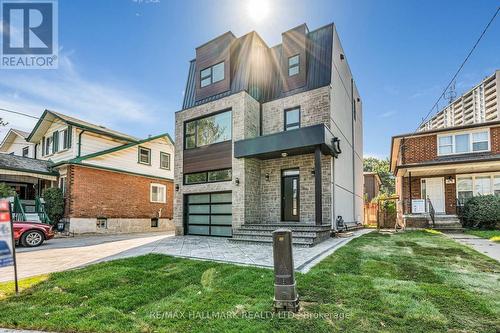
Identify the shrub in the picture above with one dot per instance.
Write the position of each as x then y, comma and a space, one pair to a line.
6, 191
54, 203
482, 212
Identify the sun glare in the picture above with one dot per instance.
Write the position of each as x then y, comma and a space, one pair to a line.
258, 10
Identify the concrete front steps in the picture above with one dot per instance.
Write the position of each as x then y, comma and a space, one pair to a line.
447, 223
303, 234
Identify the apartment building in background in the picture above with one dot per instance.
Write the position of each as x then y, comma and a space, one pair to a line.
269, 137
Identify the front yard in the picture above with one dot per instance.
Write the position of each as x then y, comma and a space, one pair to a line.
493, 235
409, 282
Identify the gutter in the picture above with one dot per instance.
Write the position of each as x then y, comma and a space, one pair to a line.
80, 143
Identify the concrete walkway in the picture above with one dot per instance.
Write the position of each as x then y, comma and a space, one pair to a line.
69, 253
483, 245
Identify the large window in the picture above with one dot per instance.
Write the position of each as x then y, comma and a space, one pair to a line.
158, 193
292, 119
463, 143
212, 74
293, 65
208, 130
207, 177
480, 184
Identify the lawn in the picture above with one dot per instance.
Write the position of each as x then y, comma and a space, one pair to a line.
408, 282
493, 235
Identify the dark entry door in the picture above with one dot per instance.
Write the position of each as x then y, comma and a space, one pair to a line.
290, 205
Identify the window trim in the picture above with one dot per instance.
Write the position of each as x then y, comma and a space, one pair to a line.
211, 75
470, 134
294, 65
139, 155
151, 193
27, 148
285, 125
206, 174
162, 153
196, 129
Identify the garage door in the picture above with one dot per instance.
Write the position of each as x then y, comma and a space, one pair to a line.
209, 214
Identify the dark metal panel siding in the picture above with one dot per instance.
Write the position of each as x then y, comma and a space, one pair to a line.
255, 68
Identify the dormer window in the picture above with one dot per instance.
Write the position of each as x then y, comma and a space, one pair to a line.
212, 74
293, 65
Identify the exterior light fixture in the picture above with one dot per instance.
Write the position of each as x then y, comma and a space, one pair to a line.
237, 181
176, 187
267, 177
284, 154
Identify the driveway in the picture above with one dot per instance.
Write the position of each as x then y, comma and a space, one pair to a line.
66, 253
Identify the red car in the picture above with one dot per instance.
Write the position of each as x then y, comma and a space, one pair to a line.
32, 234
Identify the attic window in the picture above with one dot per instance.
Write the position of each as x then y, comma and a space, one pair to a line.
212, 74
144, 155
293, 65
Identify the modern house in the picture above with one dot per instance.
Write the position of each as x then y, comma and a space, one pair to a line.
112, 182
444, 163
371, 185
269, 137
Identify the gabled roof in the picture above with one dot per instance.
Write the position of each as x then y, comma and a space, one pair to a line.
25, 164
10, 137
48, 117
115, 149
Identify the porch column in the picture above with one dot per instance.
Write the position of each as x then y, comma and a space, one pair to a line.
318, 204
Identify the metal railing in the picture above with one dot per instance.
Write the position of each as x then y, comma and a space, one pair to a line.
17, 209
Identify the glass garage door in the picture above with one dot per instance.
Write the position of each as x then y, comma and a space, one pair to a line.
209, 214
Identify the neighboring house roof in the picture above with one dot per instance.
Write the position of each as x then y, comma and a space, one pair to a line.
10, 137
115, 149
269, 86
26, 164
456, 159
48, 117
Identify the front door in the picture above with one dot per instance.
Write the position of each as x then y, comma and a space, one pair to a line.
434, 191
290, 205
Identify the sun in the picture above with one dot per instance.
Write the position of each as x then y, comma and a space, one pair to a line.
258, 10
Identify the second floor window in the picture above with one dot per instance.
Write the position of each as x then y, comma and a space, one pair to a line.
212, 74
292, 119
293, 65
26, 151
462, 143
208, 130
144, 155
165, 161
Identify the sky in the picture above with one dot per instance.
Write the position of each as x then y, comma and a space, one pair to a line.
123, 63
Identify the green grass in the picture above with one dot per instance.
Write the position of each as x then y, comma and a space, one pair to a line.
407, 282
493, 235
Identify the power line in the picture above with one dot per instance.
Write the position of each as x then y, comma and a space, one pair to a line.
20, 113
460, 68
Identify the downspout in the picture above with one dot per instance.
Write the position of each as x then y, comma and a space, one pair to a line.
80, 143
260, 119
34, 153
353, 154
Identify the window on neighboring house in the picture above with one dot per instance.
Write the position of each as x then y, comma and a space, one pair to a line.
26, 151
165, 161
66, 137
62, 184
293, 65
102, 223
208, 177
292, 119
55, 142
212, 74
144, 155
154, 222
482, 185
496, 185
208, 130
463, 143
48, 145
464, 188
158, 193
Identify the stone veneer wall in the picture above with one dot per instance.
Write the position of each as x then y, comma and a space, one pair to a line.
314, 109
245, 115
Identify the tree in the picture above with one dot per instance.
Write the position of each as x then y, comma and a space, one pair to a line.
6, 191
381, 166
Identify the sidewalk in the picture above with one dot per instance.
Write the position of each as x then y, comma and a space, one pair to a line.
482, 245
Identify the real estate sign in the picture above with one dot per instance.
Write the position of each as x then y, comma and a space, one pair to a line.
6, 246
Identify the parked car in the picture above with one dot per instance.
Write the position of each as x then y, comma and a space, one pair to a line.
32, 234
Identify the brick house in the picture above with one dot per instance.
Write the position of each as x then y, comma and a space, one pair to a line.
444, 164
112, 182
269, 137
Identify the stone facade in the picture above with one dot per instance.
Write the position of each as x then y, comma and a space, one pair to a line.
124, 199
256, 199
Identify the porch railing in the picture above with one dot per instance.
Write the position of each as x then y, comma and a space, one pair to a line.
432, 212
17, 209
40, 209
